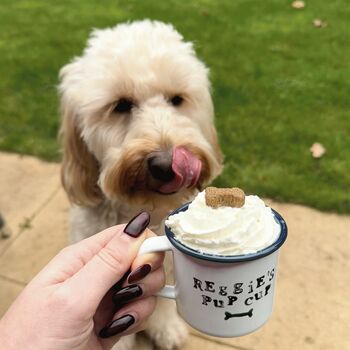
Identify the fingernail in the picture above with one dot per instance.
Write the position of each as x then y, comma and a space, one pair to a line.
137, 224
128, 293
139, 273
117, 326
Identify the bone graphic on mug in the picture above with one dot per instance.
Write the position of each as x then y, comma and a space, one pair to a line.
228, 315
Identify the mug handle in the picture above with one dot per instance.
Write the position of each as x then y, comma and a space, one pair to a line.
159, 244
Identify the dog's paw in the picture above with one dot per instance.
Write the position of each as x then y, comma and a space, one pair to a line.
169, 335
125, 343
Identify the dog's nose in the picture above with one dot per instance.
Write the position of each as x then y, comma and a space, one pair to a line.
160, 166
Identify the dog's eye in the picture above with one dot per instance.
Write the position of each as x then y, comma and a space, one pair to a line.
124, 105
176, 100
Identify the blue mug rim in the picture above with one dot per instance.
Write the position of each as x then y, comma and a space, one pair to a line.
228, 258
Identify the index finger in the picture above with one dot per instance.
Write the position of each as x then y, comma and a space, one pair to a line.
109, 265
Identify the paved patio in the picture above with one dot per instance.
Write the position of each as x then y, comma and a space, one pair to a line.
312, 306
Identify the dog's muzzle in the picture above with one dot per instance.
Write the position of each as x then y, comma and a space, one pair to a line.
174, 170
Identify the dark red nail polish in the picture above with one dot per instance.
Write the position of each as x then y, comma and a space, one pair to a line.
137, 224
139, 273
117, 326
126, 294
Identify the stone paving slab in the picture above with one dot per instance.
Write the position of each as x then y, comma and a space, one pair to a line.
312, 307
26, 184
8, 292
37, 244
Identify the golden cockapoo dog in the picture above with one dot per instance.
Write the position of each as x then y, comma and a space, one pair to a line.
138, 134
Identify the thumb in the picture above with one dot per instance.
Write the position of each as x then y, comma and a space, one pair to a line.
109, 264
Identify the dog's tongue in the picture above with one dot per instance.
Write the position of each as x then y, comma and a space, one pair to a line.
187, 169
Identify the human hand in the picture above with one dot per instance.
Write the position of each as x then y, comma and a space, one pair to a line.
68, 304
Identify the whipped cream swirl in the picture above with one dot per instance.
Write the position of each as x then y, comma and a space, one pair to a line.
225, 230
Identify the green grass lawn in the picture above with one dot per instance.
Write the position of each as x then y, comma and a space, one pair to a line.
279, 84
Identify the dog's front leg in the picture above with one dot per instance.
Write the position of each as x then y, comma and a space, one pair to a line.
126, 343
165, 327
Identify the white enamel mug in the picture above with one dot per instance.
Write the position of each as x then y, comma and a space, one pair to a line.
223, 296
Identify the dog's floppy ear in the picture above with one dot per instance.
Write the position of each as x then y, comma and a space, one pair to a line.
80, 169
79, 172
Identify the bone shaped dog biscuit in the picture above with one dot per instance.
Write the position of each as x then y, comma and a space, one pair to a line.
224, 197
